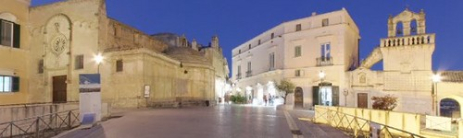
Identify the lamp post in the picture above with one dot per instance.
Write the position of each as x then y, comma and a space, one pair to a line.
435, 79
98, 59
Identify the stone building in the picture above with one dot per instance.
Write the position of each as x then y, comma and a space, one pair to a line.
407, 70
319, 54
61, 40
14, 51
299, 50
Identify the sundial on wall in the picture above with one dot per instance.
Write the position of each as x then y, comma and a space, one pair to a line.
58, 44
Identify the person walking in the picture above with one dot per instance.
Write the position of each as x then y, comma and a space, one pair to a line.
265, 99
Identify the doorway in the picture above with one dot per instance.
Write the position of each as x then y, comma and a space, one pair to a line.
59, 89
298, 97
449, 108
362, 100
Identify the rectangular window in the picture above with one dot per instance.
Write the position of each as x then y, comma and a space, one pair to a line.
6, 33
40, 66
258, 43
79, 64
249, 66
272, 36
249, 46
239, 69
239, 51
272, 61
119, 66
297, 51
326, 51
298, 27
9, 84
297, 73
325, 22
9, 34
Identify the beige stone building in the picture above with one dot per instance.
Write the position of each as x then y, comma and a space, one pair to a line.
327, 45
407, 70
62, 39
14, 51
299, 50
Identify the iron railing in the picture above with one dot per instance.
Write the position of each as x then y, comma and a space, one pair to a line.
36, 103
359, 127
324, 61
41, 126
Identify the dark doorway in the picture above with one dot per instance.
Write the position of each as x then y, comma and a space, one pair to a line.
362, 100
449, 108
59, 89
298, 97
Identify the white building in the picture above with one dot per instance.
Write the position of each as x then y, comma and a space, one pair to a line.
299, 50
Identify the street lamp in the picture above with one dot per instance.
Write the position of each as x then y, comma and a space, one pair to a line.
98, 59
435, 79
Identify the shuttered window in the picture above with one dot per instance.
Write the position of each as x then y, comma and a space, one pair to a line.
79, 63
9, 84
9, 34
119, 66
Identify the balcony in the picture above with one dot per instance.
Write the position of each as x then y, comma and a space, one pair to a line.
324, 61
248, 73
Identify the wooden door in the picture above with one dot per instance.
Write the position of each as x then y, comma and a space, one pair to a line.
362, 100
298, 97
59, 89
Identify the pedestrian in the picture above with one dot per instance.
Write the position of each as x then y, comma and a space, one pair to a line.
271, 100
265, 99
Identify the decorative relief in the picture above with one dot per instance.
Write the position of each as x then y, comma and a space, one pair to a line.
58, 44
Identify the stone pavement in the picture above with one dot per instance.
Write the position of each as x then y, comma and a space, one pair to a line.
312, 130
222, 121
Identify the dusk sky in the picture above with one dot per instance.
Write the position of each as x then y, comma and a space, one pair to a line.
236, 21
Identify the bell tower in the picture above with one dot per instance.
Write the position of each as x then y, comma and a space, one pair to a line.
408, 47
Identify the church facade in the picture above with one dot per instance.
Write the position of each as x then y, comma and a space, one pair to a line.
138, 70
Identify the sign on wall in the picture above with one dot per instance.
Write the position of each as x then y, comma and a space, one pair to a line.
90, 98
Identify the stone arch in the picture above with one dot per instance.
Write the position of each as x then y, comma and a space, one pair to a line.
449, 107
58, 16
457, 98
413, 27
298, 97
399, 28
58, 26
8, 16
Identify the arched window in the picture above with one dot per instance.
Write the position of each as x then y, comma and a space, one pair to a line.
399, 29
413, 27
9, 30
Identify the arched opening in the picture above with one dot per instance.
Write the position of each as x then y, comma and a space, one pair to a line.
298, 97
413, 27
399, 29
449, 108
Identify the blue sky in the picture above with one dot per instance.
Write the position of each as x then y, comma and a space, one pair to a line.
236, 21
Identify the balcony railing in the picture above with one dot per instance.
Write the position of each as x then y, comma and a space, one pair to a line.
248, 73
324, 61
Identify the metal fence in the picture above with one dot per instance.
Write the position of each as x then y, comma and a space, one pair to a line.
359, 127
41, 126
